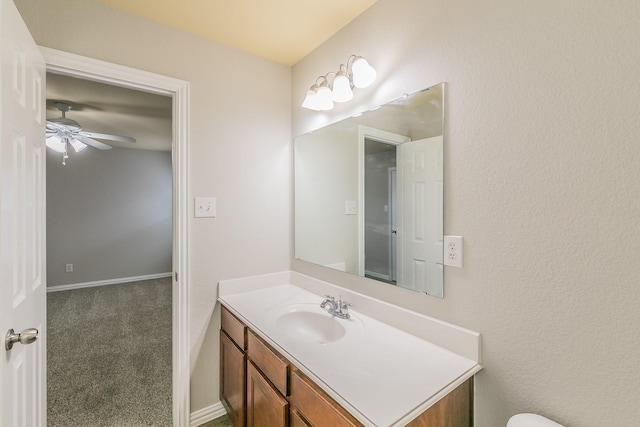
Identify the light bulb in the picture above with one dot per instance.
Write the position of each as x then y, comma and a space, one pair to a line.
56, 144
311, 100
363, 73
341, 88
324, 97
77, 145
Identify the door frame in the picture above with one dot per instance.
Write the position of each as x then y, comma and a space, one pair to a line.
393, 202
78, 66
366, 132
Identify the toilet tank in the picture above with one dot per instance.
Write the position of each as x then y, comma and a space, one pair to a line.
531, 420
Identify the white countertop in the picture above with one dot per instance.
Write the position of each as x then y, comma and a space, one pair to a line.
383, 375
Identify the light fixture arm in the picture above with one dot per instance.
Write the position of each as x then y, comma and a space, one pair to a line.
350, 62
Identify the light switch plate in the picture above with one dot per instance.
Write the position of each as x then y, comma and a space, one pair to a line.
205, 207
351, 207
453, 251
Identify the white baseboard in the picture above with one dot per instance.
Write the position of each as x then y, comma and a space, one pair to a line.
207, 414
106, 282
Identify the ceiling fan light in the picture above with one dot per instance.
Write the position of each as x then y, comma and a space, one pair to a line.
363, 73
341, 88
56, 144
77, 145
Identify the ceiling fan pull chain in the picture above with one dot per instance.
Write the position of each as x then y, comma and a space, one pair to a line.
65, 156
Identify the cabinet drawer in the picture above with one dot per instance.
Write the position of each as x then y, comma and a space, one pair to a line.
317, 406
273, 365
233, 327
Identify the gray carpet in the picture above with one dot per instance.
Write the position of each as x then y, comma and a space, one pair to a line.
109, 355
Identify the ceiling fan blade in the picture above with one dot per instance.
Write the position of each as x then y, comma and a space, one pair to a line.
92, 142
108, 137
55, 126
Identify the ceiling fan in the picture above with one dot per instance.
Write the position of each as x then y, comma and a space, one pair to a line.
62, 132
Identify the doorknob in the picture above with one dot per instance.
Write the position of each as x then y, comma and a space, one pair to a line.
25, 337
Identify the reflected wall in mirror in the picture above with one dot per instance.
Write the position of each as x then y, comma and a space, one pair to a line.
369, 193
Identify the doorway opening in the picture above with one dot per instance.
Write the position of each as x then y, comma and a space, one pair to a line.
76, 66
109, 222
377, 192
379, 210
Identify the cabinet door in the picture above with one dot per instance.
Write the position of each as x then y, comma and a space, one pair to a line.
232, 380
265, 406
296, 420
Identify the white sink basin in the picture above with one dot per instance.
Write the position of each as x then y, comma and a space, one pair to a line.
310, 324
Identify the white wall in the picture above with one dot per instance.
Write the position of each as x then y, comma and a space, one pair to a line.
239, 149
108, 214
542, 179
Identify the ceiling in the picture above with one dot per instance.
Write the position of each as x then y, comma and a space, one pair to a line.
282, 31
114, 110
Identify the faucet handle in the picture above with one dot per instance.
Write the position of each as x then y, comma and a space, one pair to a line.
345, 305
332, 298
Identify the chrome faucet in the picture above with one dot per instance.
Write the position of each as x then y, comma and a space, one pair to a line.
338, 308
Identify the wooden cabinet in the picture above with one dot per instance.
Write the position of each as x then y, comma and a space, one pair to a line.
233, 377
315, 407
453, 410
269, 361
265, 405
296, 419
261, 388
267, 385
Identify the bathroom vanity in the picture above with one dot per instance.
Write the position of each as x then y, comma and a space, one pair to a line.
284, 361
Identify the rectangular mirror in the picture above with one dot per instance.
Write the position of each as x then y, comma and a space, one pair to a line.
369, 193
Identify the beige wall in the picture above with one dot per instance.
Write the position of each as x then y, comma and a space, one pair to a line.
325, 179
542, 178
239, 149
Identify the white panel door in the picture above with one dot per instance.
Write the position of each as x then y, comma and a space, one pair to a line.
22, 223
420, 214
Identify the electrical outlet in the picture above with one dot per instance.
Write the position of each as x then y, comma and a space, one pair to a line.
68, 268
453, 251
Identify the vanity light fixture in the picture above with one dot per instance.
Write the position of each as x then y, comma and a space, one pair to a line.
322, 94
